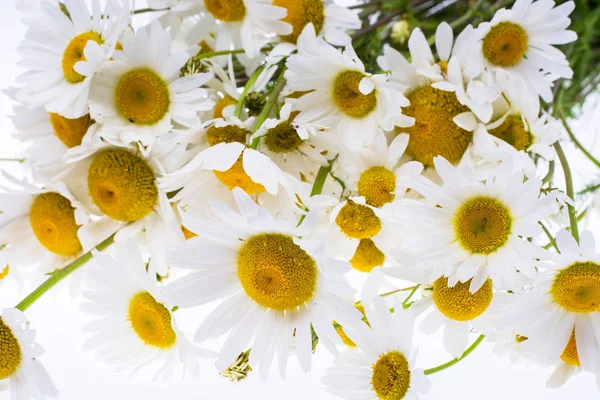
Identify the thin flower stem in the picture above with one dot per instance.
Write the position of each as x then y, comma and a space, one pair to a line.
273, 97
218, 53
19, 160
397, 291
550, 174
240, 104
447, 365
570, 191
552, 240
577, 142
60, 275
147, 10
383, 21
410, 295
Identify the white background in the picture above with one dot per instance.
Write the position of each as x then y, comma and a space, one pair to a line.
58, 321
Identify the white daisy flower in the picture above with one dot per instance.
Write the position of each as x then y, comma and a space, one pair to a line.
20, 359
384, 366
270, 286
138, 95
61, 53
341, 94
508, 343
474, 229
520, 42
177, 14
135, 324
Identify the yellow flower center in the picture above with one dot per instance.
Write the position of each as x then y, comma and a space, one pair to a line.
377, 186
275, 272
74, 53
222, 104
226, 10
151, 321
505, 44
226, 134
283, 138
513, 132
236, 176
4, 274
301, 13
70, 131
483, 224
458, 303
367, 256
10, 351
577, 288
122, 185
391, 376
52, 219
348, 97
569, 354
142, 97
358, 221
434, 132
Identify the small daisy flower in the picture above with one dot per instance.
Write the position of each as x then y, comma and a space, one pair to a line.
138, 96
20, 359
135, 324
384, 366
508, 343
270, 287
61, 53
340, 93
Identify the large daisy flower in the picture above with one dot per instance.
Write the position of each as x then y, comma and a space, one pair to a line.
135, 325
341, 94
384, 365
61, 53
20, 359
139, 95
477, 230
270, 286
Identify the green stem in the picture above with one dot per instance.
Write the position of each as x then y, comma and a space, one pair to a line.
218, 53
550, 174
240, 104
577, 142
60, 275
410, 295
570, 191
273, 97
146, 10
19, 160
447, 365
552, 240
319, 183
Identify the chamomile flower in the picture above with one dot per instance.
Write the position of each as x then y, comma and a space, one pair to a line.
520, 42
20, 359
340, 93
138, 95
477, 230
61, 53
135, 325
178, 12
271, 288
384, 365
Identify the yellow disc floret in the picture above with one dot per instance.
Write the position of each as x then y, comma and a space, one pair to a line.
505, 44
151, 321
275, 272
236, 176
122, 185
483, 224
52, 219
377, 186
577, 288
301, 13
514, 132
569, 354
70, 131
358, 221
74, 53
142, 97
282, 138
367, 256
10, 351
226, 134
458, 303
348, 98
391, 376
434, 132
226, 10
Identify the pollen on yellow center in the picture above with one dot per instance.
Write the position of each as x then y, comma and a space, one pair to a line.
514, 132
226, 134
301, 13
367, 256
10, 351
391, 376
222, 104
348, 98
577, 288
458, 303
226, 10
74, 53
236, 176
142, 97
434, 132
569, 354
52, 219
151, 321
483, 224
358, 221
275, 272
377, 186
70, 131
122, 185
505, 44
282, 138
